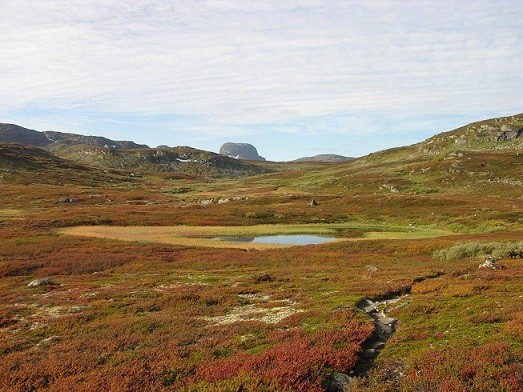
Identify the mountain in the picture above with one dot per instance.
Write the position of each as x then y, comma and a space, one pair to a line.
11, 133
59, 138
325, 158
240, 151
52, 141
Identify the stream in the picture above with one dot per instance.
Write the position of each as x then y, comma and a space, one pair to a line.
384, 328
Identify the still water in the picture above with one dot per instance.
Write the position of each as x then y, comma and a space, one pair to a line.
296, 239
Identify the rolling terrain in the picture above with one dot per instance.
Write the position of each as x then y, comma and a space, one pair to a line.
108, 280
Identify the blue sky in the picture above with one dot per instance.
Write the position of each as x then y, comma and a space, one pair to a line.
294, 78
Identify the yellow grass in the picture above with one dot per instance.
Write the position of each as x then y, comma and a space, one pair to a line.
203, 235
10, 213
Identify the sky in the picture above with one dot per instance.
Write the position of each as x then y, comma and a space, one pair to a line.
293, 78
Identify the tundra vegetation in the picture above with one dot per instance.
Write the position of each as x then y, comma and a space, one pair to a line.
135, 299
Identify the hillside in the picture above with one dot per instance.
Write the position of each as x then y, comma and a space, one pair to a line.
21, 164
496, 134
483, 157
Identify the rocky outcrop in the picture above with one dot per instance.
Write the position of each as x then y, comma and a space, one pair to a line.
240, 151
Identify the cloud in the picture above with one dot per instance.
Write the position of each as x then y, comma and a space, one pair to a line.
233, 64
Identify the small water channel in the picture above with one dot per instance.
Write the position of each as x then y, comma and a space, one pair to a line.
295, 239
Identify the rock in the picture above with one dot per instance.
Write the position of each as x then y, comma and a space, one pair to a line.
489, 263
263, 278
41, 282
340, 382
240, 151
313, 203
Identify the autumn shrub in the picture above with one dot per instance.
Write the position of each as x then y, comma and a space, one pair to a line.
243, 382
301, 361
490, 367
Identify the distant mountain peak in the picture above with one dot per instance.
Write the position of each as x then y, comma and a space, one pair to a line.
325, 158
240, 151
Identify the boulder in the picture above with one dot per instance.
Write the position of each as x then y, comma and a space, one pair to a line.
40, 282
489, 263
340, 382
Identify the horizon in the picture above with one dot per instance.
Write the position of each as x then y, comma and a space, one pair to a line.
349, 78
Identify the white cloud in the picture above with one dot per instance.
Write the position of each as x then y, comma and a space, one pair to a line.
234, 62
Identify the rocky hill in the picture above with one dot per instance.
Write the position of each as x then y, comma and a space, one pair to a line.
182, 160
496, 134
484, 157
23, 164
240, 151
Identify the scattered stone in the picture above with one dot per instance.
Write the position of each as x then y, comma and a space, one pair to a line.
41, 282
44, 343
206, 202
68, 200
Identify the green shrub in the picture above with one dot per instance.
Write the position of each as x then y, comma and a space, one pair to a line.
498, 250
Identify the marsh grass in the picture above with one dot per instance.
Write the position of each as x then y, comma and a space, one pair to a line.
202, 235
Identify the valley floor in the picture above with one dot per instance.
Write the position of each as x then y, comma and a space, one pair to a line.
117, 308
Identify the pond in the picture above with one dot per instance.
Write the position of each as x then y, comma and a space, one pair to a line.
296, 239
